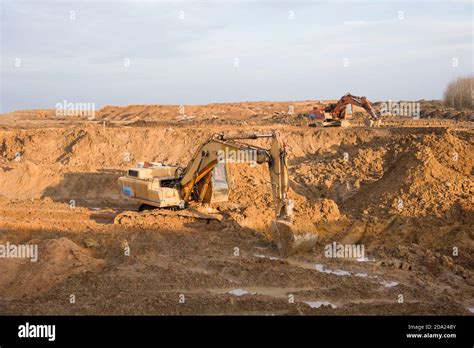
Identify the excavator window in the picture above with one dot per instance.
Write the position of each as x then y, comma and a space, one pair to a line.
220, 186
133, 173
348, 111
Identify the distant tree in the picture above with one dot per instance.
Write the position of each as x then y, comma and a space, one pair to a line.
459, 93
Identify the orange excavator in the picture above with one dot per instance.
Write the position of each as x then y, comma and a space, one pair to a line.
334, 114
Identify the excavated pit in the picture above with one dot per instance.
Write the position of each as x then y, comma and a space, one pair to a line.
404, 193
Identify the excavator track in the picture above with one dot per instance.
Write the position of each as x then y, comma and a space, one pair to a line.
157, 217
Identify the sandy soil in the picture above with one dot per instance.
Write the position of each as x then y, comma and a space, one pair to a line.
405, 193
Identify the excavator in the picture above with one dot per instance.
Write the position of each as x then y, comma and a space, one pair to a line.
205, 180
335, 115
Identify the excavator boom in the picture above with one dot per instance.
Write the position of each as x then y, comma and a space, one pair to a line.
224, 147
218, 149
337, 110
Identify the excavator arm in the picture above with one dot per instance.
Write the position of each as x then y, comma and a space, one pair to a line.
337, 110
224, 147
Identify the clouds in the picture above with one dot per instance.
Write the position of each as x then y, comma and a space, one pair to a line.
185, 51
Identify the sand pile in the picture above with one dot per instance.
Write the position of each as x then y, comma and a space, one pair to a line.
195, 113
427, 175
253, 205
25, 179
57, 260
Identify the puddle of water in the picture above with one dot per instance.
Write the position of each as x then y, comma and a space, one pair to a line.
266, 257
366, 275
265, 291
240, 292
340, 273
317, 304
389, 284
362, 275
365, 259
320, 268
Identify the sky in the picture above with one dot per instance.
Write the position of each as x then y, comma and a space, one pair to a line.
198, 52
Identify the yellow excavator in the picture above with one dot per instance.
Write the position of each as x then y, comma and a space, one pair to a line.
204, 180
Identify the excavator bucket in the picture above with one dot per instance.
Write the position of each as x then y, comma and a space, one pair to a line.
288, 241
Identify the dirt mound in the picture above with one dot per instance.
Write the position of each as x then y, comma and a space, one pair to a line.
426, 175
25, 179
57, 260
436, 109
98, 187
214, 113
4, 200
327, 210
